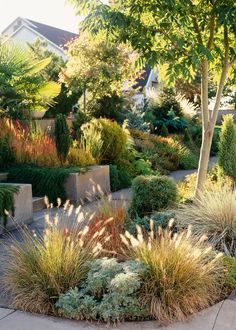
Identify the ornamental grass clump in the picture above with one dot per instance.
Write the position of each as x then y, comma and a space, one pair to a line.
183, 272
40, 268
213, 213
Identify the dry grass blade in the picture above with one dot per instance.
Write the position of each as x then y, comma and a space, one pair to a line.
183, 275
213, 214
38, 269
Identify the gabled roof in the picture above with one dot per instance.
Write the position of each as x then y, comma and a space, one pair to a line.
57, 36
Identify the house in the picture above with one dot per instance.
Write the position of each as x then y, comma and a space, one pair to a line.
25, 31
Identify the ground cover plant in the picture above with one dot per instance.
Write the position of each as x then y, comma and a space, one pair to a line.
109, 293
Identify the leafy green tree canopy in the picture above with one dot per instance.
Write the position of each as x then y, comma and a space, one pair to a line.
186, 37
99, 67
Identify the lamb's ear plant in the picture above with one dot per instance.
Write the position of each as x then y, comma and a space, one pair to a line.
41, 267
184, 272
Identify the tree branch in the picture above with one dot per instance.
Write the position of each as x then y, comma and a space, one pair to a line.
223, 77
196, 26
212, 31
233, 62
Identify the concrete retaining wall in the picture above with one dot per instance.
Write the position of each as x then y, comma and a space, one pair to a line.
81, 187
23, 206
49, 124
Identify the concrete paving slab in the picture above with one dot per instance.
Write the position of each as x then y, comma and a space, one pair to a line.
4, 312
203, 320
25, 321
226, 319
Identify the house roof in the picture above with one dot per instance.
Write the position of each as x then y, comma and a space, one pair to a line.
57, 36
142, 81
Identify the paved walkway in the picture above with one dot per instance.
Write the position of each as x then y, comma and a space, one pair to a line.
221, 316
181, 174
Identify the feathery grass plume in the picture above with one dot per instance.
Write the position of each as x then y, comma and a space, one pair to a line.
213, 213
109, 223
183, 275
40, 268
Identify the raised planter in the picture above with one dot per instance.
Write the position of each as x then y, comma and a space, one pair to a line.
37, 114
88, 186
23, 207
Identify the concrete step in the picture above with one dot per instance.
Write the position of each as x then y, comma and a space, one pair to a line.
3, 177
38, 204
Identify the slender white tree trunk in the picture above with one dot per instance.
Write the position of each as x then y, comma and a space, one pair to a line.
208, 122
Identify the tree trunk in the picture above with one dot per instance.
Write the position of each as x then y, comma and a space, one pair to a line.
206, 132
208, 122
204, 159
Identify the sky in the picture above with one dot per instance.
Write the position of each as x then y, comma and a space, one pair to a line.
52, 12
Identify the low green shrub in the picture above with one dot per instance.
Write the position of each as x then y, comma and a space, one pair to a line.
109, 293
7, 201
119, 178
143, 167
188, 160
164, 131
229, 278
227, 147
152, 193
7, 153
80, 157
158, 218
184, 273
45, 181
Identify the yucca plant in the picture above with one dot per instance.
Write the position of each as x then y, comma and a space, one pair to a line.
40, 268
213, 213
183, 275
22, 87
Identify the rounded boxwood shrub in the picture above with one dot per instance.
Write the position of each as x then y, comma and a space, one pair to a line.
152, 193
